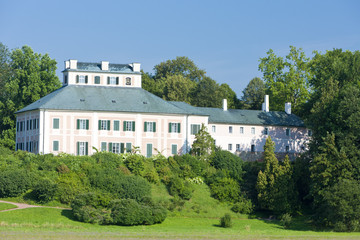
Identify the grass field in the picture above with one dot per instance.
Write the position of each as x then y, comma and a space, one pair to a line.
197, 219
5, 206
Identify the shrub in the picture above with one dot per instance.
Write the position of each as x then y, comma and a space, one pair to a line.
225, 221
135, 163
14, 182
285, 220
68, 186
178, 187
225, 189
243, 206
107, 159
44, 191
228, 161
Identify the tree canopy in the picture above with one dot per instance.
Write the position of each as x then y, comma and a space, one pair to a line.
253, 94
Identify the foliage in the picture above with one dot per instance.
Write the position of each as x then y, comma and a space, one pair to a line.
14, 182
225, 221
203, 145
285, 220
181, 188
243, 206
225, 189
68, 186
44, 191
286, 80
227, 161
253, 94
275, 185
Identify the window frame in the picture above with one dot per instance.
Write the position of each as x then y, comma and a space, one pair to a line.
56, 123
266, 131
174, 150
128, 81
56, 145
287, 132
174, 127
230, 129
241, 130
253, 130
194, 129
213, 128
82, 148
82, 124
229, 147
149, 126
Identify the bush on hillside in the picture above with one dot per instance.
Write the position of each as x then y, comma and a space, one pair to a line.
228, 161
225, 189
70, 185
225, 221
135, 163
14, 182
181, 188
44, 191
243, 206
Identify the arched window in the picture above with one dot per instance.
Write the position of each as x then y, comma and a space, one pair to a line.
128, 81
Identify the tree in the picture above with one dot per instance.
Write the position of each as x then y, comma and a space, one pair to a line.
253, 94
286, 80
32, 77
206, 94
203, 145
275, 186
178, 88
225, 92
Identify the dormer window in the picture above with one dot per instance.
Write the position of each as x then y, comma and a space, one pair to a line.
113, 81
128, 81
81, 79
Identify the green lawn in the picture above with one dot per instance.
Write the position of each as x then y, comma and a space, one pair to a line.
4, 206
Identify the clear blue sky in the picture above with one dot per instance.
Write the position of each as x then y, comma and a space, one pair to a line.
225, 38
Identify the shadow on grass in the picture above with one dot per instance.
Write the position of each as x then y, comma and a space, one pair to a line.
69, 214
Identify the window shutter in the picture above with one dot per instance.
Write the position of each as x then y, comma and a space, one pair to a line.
77, 78
124, 126
87, 124
78, 148
174, 149
99, 124
117, 80
78, 124
86, 149
154, 127
86, 79
116, 125
178, 127
169, 127
108, 125
103, 146
122, 147
108, 80
145, 126
110, 147
133, 126
128, 147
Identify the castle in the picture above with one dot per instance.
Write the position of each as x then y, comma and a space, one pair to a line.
102, 106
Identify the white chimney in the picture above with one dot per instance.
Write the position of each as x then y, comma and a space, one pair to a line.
136, 67
225, 104
265, 105
73, 64
288, 107
67, 64
104, 65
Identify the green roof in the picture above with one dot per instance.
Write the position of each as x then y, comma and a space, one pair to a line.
96, 67
101, 98
246, 117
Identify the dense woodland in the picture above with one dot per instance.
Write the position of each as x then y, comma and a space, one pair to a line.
324, 183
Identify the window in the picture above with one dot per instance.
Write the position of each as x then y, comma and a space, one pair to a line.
114, 147
149, 126
230, 129
288, 132
116, 125
82, 124
128, 81
55, 145
82, 148
229, 146
30, 124
309, 133
241, 130
173, 149
65, 79
128, 147
27, 125
287, 148
252, 148
148, 150
195, 128
56, 123
97, 79
35, 123
213, 128
237, 147
129, 126
252, 130
266, 131
81, 79
113, 81
103, 146
174, 127
104, 125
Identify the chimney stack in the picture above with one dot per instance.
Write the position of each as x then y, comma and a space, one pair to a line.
104, 65
265, 105
288, 108
136, 67
73, 64
225, 104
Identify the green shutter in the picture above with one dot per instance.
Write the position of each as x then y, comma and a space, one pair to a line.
154, 127
149, 150
169, 127
56, 123
174, 149
99, 124
97, 80
122, 147
77, 78
55, 145
78, 124
103, 146
124, 126
145, 126
78, 148
116, 125
110, 147
133, 126
108, 80
87, 124
117, 80
178, 127
86, 79
108, 125
86, 149
128, 147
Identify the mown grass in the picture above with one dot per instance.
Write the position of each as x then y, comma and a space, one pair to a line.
197, 219
5, 206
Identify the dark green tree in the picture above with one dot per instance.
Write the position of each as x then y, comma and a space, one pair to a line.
204, 145
178, 88
253, 94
